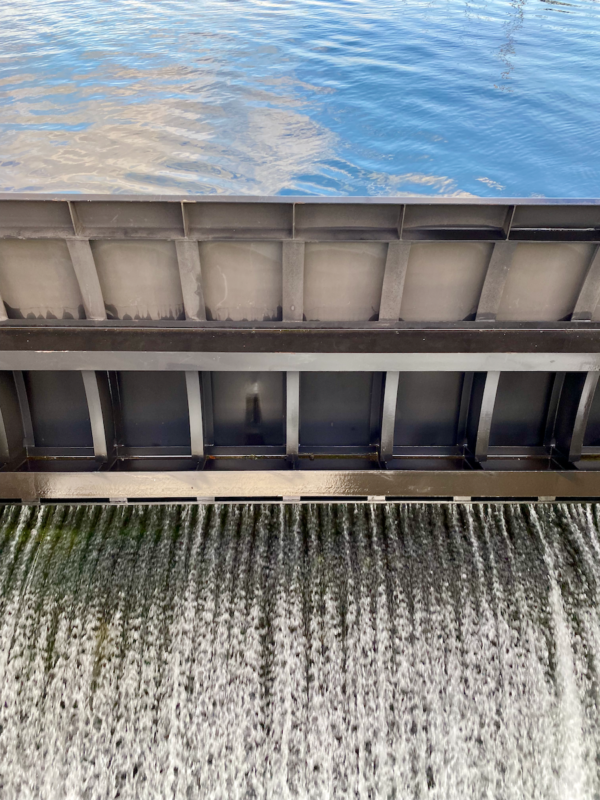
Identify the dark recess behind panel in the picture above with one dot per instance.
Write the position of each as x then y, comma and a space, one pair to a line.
154, 411
248, 408
428, 408
335, 408
521, 409
59, 411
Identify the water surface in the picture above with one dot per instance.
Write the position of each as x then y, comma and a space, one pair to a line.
485, 97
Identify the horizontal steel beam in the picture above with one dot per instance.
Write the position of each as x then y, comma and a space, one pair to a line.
299, 362
302, 338
298, 483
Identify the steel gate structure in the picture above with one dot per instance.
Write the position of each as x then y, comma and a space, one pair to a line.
218, 347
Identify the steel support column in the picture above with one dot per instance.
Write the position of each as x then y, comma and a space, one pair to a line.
192, 383
87, 278
28, 436
388, 416
92, 393
485, 416
190, 274
393, 280
292, 415
495, 278
583, 412
293, 281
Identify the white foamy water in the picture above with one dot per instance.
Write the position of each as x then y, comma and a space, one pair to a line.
397, 651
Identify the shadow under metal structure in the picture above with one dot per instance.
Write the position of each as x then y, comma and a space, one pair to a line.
297, 348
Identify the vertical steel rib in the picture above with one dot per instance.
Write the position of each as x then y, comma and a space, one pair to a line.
485, 416
92, 393
553, 405
495, 279
190, 273
292, 414
28, 436
589, 296
293, 281
87, 278
463, 413
394, 276
388, 415
583, 413
192, 383
3, 314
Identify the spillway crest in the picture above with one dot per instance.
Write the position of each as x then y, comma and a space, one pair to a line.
400, 651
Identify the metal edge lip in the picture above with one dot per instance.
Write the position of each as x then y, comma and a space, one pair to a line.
299, 199
277, 484
305, 326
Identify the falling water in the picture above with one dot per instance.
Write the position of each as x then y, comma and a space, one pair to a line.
401, 651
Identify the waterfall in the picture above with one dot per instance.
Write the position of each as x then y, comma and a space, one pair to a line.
240, 651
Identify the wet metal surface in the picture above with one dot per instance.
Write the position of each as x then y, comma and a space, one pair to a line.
314, 651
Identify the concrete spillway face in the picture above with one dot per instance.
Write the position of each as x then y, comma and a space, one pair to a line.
252, 347
300, 651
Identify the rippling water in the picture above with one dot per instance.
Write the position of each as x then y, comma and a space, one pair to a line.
488, 97
318, 651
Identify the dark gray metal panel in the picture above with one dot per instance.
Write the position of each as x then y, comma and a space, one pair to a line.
557, 220
190, 273
248, 408
138, 219
428, 408
454, 221
521, 409
293, 281
154, 409
59, 409
581, 419
239, 220
335, 408
192, 382
495, 278
485, 415
393, 280
34, 218
589, 296
303, 483
355, 222
87, 278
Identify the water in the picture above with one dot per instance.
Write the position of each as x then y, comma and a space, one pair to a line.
319, 651
484, 97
